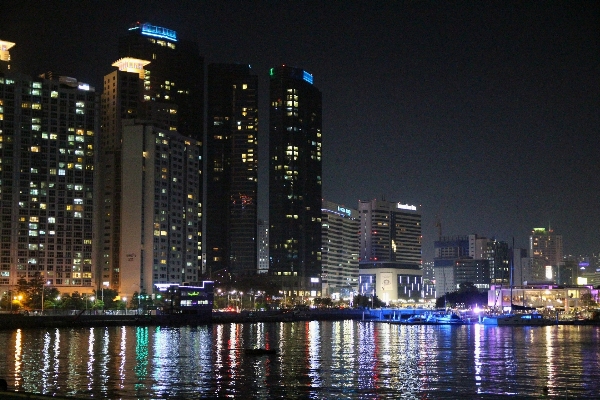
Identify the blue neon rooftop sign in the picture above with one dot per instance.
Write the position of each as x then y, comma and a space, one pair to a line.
157, 32
307, 77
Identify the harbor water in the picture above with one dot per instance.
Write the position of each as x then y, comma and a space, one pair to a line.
313, 359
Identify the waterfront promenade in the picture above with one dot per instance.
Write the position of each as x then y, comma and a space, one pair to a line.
88, 318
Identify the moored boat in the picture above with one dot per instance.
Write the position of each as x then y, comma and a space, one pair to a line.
450, 318
525, 319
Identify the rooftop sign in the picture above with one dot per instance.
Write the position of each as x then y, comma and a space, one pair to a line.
406, 207
156, 31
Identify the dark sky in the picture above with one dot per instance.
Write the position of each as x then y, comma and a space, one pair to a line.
484, 113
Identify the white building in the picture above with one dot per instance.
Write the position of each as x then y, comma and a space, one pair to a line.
160, 224
340, 250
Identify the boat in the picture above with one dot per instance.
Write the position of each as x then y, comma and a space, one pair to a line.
445, 319
416, 319
259, 352
525, 319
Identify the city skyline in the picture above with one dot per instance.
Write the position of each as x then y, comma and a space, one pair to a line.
484, 115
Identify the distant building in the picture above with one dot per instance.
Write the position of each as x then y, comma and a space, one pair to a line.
48, 148
295, 179
460, 259
521, 266
447, 250
546, 252
232, 169
263, 247
340, 250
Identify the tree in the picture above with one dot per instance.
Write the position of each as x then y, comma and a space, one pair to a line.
467, 295
107, 296
367, 301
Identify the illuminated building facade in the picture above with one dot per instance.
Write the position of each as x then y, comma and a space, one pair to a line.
5, 55
340, 250
295, 167
232, 169
160, 216
48, 148
546, 253
389, 232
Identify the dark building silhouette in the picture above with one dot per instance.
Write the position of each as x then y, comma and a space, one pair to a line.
232, 151
295, 177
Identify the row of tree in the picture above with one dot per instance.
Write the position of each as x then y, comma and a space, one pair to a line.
31, 294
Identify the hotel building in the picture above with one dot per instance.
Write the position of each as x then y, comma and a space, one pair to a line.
390, 251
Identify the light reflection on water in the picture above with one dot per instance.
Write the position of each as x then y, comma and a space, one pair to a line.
342, 359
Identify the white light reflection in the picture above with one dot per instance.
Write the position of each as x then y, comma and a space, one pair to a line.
45, 362
219, 357
91, 360
18, 353
233, 348
314, 351
105, 359
122, 357
55, 380
477, 356
550, 361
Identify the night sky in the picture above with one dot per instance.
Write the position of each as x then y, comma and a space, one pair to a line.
483, 113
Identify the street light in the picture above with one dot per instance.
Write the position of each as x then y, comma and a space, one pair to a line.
43, 287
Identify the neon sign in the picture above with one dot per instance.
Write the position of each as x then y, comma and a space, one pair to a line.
307, 77
158, 32
346, 211
406, 207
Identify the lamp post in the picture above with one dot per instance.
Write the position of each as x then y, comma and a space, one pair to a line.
43, 287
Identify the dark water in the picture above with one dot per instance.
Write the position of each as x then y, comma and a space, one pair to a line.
315, 360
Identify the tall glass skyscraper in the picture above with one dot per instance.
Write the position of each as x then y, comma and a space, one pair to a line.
232, 169
295, 167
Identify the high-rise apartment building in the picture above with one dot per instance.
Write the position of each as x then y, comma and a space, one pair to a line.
340, 250
295, 177
48, 148
159, 79
546, 253
232, 169
160, 221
